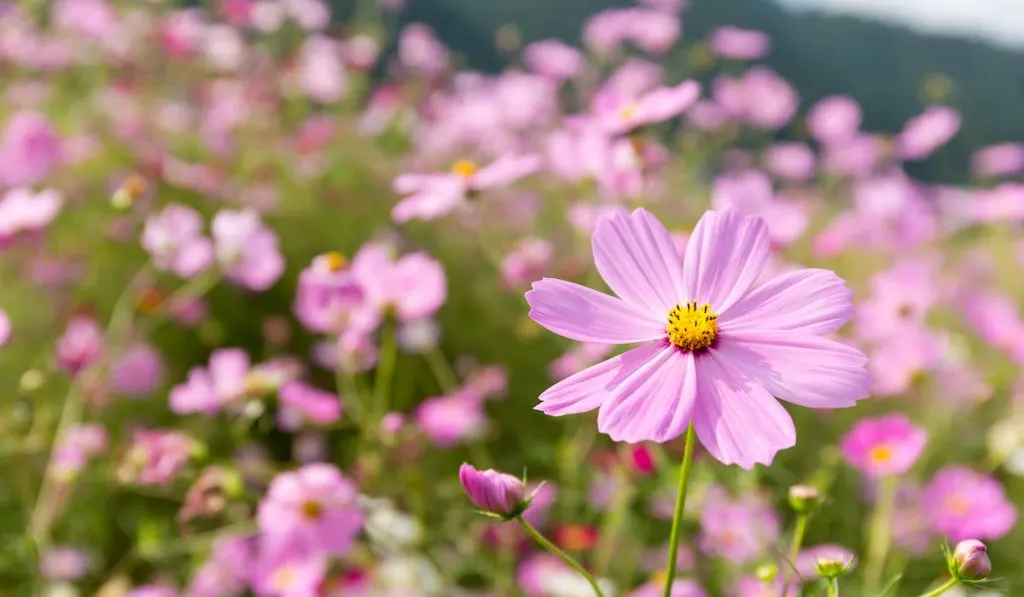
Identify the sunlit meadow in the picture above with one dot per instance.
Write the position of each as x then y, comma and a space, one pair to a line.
298, 306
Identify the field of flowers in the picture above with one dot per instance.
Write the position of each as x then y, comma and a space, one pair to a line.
276, 301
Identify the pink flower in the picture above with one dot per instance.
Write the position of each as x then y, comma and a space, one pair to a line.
174, 240
29, 149
313, 509
81, 344
155, 457
998, 160
412, 287
553, 59
887, 445
900, 296
321, 71
79, 445
619, 114
226, 572
834, 119
153, 590
330, 298
807, 561
92, 18
246, 249
290, 577
64, 564
311, 15
714, 352
751, 586
494, 492
771, 100
21, 211
928, 131
451, 420
857, 155
680, 588
740, 44
420, 51
790, 161
738, 530
653, 31
209, 390
138, 372
963, 504
430, 196
303, 404
5, 328
529, 260
752, 194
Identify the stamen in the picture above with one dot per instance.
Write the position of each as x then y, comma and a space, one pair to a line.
465, 168
692, 327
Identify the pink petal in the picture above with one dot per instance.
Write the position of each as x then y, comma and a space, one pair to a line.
586, 315
736, 419
432, 202
814, 301
654, 403
668, 102
635, 256
723, 258
505, 170
806, 370
586, 390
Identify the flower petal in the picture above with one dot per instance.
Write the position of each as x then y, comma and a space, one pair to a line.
654, 403
586, 315
506, 169
736, 419
586, 390
723, 258
635, 256
814, 301
806, 370
434, 200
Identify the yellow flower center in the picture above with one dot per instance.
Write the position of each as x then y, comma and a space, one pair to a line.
283, 578
628, 111
312, 509
335, 261
958, 505
881, 454
692, 327
465, 168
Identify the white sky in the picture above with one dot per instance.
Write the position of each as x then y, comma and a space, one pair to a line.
997, 21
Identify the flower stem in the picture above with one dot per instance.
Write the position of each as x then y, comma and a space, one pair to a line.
794, 550
949, 585
878, 541
385, 372
548, 545
832, 588
677, 519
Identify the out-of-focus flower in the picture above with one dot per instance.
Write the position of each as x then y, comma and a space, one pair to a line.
621, 114
737, 530
155, 457
321, 71
5, 328
247, 249
431, 196
226, 572
751, 586
420, 51
751, 193
529, 260
553, 59
90, 18
970, 561
496, 493
812, 559
740, 44
302, 404
450, 420
64, 564
835, 119
544, 575
208, 390
29, 149
153, 590
998, 160
311, 15
174, 239
81, 344
963, 504
411, 287
790, 161
79, 445
680, 588
289, 575
887, 445
223, 47
138, 372
21, 210
928, 131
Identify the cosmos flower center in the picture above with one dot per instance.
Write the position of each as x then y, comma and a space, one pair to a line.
465, 168
283, 578
958, 505
333, 261
312, 509
692, 327
628, 111
881, 454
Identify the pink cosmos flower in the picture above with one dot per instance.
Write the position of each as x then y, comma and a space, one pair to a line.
330, 298
411, 287
529, 260
494, 492
208, 390
29, 148
577, 358
321, 71
290, 576
430, 196
226, 572
21, 210
998, 160
174, 240
887, 445
740, 44
79, 445
714, 352
896, 363
751, 193
64, 564
451, 420
680, 588
420, 51
751, 586
5, 328
807, 561
138, 372
900, 296
81, 344
303, 404
1002, 203
790, 161
155, 457
621, 114
246, 249
738, 530
928, 131
859, 155
553, 59
91, 18
153, 590
314, 508
963, 504
834, 119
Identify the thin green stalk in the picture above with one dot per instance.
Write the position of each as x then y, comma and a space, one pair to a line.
794, 550
385, 372
677, 519
568, 559
832, 589
442, 371
949, 585
881, 531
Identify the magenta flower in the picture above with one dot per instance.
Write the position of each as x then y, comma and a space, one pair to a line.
963, 504
928, 131
835, 119
81, 344
887, 445
431, 196
738, 530
296, 577
29, 149
497, 493
411, 287
303, 404
138, 372
450, 420
174, 240
330, 298
740, 44
621, 114
246, 249
21, 210
208, 390
5, 328
155, 457
998, 160
226, 572
714, 352
680, 588
313, 508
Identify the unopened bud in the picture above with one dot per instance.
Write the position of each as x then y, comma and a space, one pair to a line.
31, 381
804, 499
970, 561
767, 573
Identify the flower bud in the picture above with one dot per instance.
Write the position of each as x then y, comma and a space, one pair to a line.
831, 567
499, 494
767, 573
804, 499
970, 561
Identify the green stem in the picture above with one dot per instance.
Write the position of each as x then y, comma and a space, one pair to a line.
385, 372
677, 519
794, 551
832, 589
442, 371
615, 520
949, 585
568, 559
878, 541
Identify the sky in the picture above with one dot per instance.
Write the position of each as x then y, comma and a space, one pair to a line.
997, 21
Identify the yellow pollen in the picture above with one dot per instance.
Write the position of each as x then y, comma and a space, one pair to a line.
312, 510
881, 454
692, 327
335, 261
628, 111
465, 168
